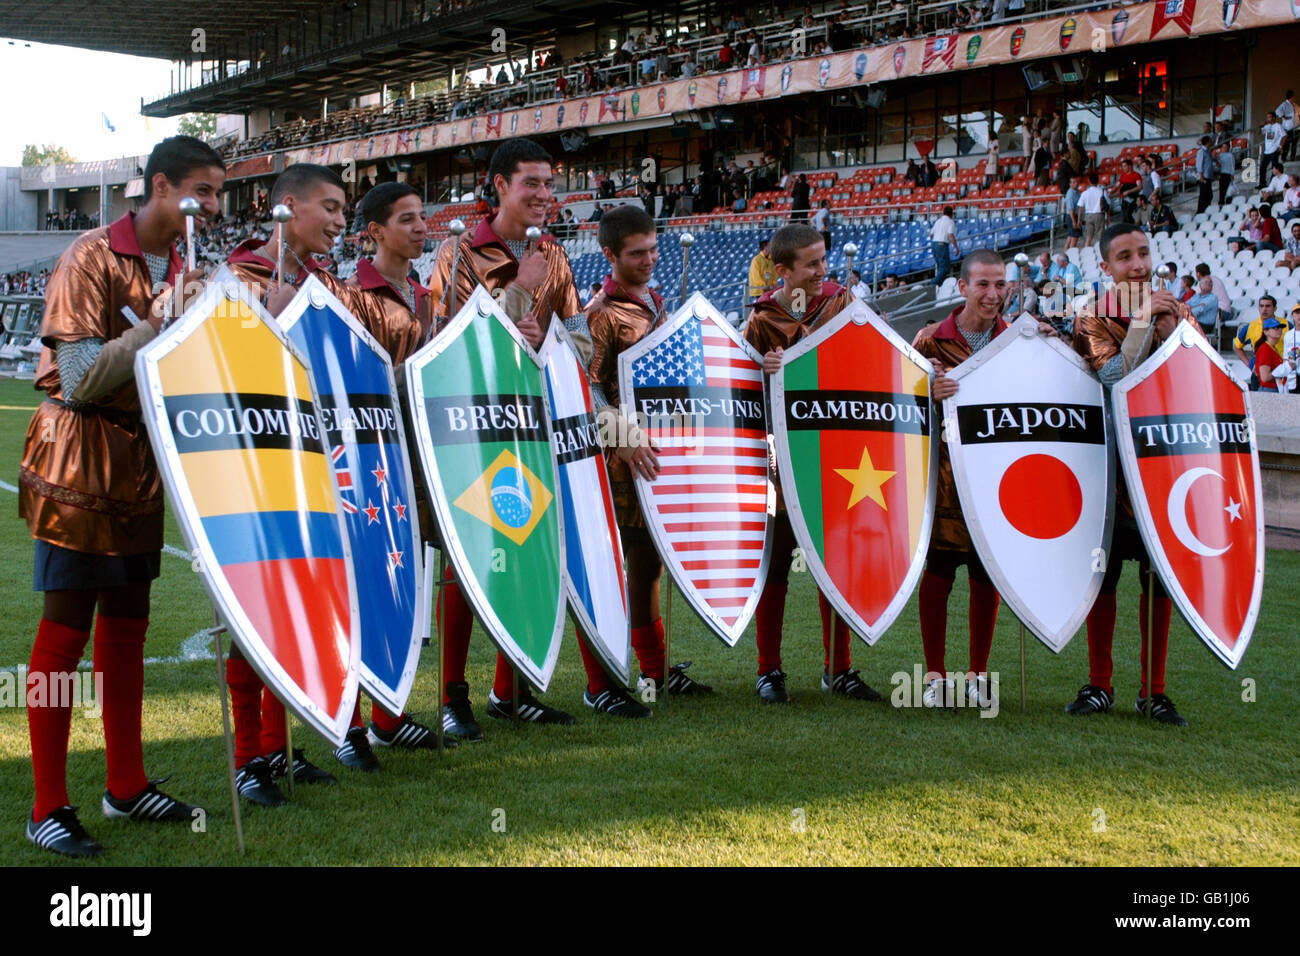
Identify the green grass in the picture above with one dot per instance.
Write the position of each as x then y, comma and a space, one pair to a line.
723, 779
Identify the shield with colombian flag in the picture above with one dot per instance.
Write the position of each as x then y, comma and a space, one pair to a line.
365, 434
235, 425
1186, 440
482, 424
851, 424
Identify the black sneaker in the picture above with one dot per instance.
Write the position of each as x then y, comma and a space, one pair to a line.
615, 701
1091, 700
355, 754
149, 804
256, 784
530, 709
411, 736
771, 687
1162, 710
304, 771
61, 832
851, 684
457, 715
678, 682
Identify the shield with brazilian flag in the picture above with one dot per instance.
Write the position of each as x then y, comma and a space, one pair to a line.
235, 424
482, 425
851, 423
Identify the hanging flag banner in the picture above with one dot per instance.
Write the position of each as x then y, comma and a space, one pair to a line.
1186, 440
483, 430
366, 438
851, 425
696, 387
1027, 437
236, 427
593, 552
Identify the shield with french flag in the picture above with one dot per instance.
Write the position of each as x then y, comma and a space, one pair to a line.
696, 387
851, 428
1186, 441
1027, 438
942, 49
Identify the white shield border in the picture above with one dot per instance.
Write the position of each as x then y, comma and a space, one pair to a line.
1186, 337
315, 293
556, 337
859, 313
481, 304
695, 307
223, 285
966, 494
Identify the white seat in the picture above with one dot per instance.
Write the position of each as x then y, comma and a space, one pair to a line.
1265, 255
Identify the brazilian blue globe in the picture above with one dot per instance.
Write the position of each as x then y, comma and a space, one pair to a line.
510, 498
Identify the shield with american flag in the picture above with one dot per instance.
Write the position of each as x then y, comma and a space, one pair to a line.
851, 426
367, 443
696, 387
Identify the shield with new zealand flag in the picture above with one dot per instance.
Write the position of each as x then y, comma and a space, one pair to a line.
482, 424
851, 423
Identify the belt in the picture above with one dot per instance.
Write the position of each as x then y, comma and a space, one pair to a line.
123, 419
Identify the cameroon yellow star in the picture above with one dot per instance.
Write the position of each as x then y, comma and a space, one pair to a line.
866, 480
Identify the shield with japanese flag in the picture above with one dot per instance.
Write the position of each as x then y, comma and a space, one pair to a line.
1186, 441
1027, 438
696, 387
851, 425
235, 423
481, 423
367, 441
593, 553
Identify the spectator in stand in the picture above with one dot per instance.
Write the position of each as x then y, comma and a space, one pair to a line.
1251, 232
1287, 115
929, 173
1042, 162
762, 273
670, 201
1222, 137
1040, 267
648, 199
1227, 172
1268, 355
1204, 305
1127, 189
913, 174
821, 221
1271, 235
1064, 271
1075, 155
1026, 137
1290, 257
1162, 217
596, 213
1186, 289
1020, 297
991, 171
688, 66
1250, 335
1218, 288
1277, 185
1287, 373
1073, 214
1205, 172
857, 286
726, 55
1095, 210
942, 235
800, 194
1274, 135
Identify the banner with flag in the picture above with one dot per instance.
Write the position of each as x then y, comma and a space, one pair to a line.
483, 429
593, 551
367, 440
1181, 13
941, 49
696, 387
494, 124
1027, 437
236, 428
609, 103
753, 79
1186, 441
851, 426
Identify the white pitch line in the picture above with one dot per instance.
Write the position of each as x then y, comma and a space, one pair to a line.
8, 487
176, 552
196, 647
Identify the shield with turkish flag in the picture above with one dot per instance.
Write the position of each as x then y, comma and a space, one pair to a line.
851, 426
1026, 435
1186, 440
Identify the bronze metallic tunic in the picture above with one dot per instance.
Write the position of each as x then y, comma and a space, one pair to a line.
618, 321
770, 327
944, 341
88, 480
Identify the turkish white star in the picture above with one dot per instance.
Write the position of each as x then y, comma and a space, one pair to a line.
1234, 510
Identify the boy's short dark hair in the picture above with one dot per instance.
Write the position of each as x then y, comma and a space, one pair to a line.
507, 157
377, 205
1113, 232
788, 240
979, 257
176, 157
618, 224
298, 179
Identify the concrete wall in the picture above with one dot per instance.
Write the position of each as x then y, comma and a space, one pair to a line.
1270, 71
17, 208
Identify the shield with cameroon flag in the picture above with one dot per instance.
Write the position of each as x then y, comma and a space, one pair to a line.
483, 426
851, 422
235, 423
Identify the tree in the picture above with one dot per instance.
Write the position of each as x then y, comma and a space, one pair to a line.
46, 155
200, 125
